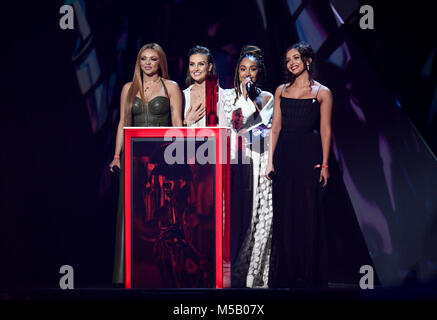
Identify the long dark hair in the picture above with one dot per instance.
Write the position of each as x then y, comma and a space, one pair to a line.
249, 51
199, 50
307, 55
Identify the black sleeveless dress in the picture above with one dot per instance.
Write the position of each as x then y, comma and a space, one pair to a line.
155, 113
298, 256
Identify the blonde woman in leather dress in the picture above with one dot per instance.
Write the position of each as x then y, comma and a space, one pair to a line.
150, 100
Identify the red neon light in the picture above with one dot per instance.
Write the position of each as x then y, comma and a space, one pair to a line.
227, 214
218, 215
127, 209
221, 183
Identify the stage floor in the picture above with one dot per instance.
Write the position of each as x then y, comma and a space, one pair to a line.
416, 292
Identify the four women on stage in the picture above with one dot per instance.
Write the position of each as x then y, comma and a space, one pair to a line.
280, 146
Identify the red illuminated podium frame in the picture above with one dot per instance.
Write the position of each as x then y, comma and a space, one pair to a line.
221, 168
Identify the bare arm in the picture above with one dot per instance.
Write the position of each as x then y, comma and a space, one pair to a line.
119, 137
325, 129
175, 96
276, 128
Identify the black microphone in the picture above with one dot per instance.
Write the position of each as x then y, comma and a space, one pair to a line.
115, 169
252, 90
249, 86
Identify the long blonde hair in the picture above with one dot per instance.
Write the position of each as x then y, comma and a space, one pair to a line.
137, 82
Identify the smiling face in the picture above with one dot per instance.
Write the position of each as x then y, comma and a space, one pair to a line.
149, 62
294, 62
248, 68
199, 67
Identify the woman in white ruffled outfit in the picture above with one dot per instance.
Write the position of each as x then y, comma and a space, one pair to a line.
249, 114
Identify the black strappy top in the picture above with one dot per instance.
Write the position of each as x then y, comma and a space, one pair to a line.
300, 115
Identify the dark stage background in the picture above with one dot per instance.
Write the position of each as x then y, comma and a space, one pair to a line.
60, 100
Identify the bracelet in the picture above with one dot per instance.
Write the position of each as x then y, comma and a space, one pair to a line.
323, 166
118, 157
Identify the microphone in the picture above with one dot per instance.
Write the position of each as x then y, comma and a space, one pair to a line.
252, 91
116, 169
249, 86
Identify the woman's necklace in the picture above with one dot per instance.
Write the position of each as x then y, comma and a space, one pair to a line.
149, 84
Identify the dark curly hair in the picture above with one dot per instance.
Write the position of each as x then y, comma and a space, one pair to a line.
249, 51
307, 55
199, 50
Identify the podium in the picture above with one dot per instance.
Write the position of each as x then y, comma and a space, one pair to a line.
177, 207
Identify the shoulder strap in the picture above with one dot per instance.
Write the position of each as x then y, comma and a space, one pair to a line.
165, 88
318, 91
